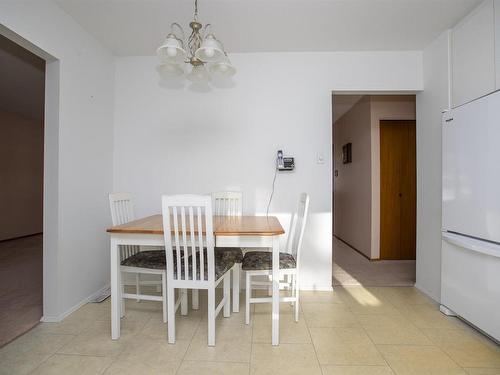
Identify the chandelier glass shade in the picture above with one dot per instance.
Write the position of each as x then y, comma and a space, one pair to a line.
224, 67
198, 74
202, 51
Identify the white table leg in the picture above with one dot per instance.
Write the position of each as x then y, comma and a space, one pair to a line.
276, 292
115, 290
195, 299
236, 287
184, 301
227, 295
248, 294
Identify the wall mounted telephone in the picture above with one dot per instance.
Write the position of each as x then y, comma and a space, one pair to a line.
284, 163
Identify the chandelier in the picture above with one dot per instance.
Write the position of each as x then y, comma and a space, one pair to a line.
205, 54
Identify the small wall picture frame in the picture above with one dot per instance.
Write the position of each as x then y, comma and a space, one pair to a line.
347, 153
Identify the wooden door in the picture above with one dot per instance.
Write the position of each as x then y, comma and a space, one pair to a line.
397, 189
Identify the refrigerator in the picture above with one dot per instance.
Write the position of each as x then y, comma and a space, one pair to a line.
470, 267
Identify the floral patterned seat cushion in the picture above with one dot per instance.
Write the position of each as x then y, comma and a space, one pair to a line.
156, 260
222, 265
262, 260
235, 254
152, 259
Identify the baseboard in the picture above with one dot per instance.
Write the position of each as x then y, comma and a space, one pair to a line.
59, 318
427, 293
317, 288
356, 250
20, 237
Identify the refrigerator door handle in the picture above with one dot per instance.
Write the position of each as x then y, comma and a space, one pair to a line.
472, 244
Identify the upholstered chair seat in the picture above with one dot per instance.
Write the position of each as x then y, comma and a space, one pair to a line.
156, 259
263, 260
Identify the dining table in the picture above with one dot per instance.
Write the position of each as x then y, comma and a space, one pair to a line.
229, 231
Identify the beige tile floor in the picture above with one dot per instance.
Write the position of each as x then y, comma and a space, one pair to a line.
353, 331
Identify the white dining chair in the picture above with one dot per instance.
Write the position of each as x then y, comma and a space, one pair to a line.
227, 203
194, 265
135, 260
230, 203
122, 211
259, 263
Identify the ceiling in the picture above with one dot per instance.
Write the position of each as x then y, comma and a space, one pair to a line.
136, 27
342, 104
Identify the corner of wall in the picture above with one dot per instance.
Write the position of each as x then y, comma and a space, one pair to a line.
449, 35
435, 98
375, 185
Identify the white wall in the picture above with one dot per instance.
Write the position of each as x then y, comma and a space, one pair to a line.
178, 140
430, 103
78, 150
473, 54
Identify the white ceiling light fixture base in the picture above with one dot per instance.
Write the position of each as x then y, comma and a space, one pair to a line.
205, 54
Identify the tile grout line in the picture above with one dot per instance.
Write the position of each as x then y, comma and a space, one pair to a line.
190, 341
116, 358
41, 363
109, 366
371, 340
55, 352
420, 330
445, 353
312, 341
213, 361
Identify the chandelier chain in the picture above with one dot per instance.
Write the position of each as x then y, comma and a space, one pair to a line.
194, 42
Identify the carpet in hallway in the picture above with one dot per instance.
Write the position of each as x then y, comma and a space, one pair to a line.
21, 293
351, 268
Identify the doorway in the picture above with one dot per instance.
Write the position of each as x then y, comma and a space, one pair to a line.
374, 189
22, 101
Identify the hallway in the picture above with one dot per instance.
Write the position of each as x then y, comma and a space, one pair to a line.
351, 268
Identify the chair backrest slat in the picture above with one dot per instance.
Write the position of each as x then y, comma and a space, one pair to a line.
194, 212
178, 264
185, 251
200, 242
192, 240
297, 227
227, 203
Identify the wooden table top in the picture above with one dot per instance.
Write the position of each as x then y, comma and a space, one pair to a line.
223, 226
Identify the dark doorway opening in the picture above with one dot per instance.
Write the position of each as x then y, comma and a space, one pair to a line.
374, 189
22, 100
